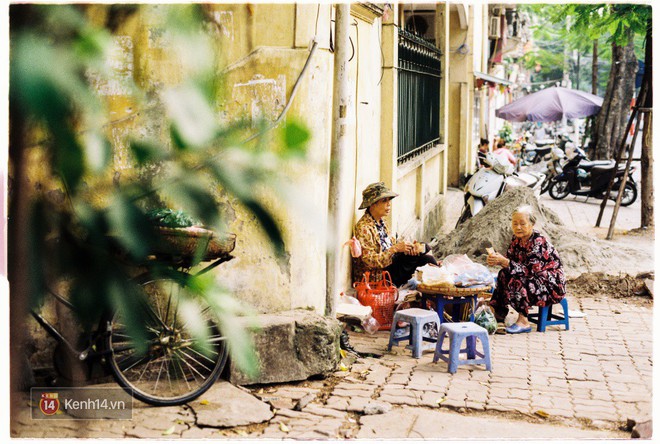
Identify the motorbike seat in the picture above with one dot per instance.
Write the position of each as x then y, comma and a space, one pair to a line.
544, 142
589, 164
542, 151
604, 169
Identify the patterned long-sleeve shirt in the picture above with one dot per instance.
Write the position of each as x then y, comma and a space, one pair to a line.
376, 245
536, 266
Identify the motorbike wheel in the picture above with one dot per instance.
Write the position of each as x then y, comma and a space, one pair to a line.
629, 195
465, 215
558, 190
545, 186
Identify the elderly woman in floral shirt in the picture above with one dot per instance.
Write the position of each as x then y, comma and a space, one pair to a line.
532, 273
379, 251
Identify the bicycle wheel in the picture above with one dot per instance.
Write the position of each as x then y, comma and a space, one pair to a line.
177, 367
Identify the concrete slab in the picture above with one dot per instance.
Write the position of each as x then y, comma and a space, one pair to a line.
419, 423
227, 406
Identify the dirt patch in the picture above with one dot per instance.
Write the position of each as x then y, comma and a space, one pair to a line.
620, 286
579, 252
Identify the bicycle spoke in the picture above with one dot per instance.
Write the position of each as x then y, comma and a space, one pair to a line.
195, 361
178, 366
201, 354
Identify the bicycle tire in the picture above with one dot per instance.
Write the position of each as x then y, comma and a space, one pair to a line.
174, 370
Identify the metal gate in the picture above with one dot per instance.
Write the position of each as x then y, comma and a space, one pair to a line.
419, 95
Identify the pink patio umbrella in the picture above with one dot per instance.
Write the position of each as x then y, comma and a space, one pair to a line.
550, 105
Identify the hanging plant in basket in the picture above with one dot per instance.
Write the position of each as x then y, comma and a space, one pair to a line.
182, 236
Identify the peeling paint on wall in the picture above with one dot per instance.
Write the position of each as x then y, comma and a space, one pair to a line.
261, 97
157, 38
119, 65
225, 22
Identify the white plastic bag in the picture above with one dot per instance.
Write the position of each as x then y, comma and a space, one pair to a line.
465, 272
370, 325
432, 275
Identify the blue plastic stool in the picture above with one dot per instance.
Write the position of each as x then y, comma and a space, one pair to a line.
417, 318
544, 317
457, 331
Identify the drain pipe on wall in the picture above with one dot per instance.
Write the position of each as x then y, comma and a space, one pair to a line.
340, 110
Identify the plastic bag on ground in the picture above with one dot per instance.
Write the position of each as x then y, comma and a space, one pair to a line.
370, 325
485, 318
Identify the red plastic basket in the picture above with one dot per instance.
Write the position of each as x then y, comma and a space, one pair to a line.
380, 296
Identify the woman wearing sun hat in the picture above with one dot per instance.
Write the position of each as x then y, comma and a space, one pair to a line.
379, 250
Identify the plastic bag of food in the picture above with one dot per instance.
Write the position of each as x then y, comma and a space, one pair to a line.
432, 275
467, 273
485, 318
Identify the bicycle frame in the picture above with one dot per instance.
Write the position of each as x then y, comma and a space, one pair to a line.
96, 335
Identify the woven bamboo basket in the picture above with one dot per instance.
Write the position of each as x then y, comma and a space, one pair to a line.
452, 290
194, 242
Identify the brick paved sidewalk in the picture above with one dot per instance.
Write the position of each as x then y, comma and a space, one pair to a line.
589, 380
599, 370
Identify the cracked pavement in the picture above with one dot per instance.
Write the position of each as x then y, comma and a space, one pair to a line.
585, 382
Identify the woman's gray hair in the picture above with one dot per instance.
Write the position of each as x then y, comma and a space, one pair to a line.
526, 209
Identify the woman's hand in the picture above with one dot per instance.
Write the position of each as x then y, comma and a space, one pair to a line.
399, 247
404, 247
497, 259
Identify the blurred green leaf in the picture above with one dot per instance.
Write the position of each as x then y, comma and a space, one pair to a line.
131, 227
192, 118
145, 151
241, 347
38, 232
97, 151
268, 224
296, 137
92, 43
129, 301
196, 325
192, 194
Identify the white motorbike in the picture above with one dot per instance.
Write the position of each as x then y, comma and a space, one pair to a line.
491, 181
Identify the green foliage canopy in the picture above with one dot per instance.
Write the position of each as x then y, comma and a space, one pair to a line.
56, 55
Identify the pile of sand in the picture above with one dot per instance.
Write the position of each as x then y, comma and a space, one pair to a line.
578, 252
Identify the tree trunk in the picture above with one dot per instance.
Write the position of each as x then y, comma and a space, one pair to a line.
610, 125
647, 147
594, 69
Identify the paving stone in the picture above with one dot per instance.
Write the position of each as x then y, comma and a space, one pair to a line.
228, 406
357, 404
364, 392
337, 403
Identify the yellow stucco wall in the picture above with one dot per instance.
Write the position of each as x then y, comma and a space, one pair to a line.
263, 48
258, 67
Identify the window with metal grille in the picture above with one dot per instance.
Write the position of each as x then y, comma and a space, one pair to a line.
419, 95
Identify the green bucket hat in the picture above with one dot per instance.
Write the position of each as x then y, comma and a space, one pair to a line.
373, 193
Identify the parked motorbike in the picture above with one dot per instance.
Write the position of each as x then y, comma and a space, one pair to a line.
553, 167
491, 181
582, 177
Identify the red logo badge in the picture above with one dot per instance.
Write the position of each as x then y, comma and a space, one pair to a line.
49, 403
